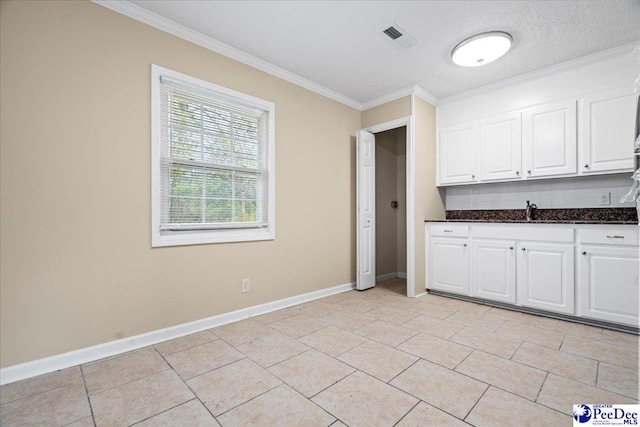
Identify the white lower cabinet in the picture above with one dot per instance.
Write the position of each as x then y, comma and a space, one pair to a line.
589, 271
449, 265
493, 270
609, 276
545, 277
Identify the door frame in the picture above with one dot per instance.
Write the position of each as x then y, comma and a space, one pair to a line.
410, 192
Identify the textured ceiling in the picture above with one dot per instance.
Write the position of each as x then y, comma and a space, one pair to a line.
339, 45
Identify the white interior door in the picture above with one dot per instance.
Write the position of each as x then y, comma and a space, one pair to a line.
366, 210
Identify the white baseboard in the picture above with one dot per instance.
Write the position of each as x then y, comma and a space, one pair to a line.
89, 354
389, 276
419, 295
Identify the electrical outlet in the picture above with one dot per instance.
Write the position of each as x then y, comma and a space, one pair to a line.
605, 199
244, 285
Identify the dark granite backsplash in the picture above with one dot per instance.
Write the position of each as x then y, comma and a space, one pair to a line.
586, 215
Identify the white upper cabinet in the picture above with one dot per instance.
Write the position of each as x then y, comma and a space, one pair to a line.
457, 153
607, 123
500, 147
550, 144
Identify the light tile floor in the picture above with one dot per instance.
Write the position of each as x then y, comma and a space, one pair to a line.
373, 358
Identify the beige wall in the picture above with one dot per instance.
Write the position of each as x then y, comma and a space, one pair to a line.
429, 198
77, 268
387, 112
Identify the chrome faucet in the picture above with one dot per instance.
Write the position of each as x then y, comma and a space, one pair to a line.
531, 211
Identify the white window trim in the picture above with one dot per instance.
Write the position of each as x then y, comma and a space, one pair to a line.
160, 239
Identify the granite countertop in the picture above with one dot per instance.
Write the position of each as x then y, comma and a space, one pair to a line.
522, 221
605, 216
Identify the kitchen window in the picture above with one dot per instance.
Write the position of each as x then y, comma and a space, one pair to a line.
212, 163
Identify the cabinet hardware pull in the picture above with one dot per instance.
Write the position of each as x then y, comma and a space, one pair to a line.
464, 244
517, 172
524, 249
615, 237
584, 253
529, 172
473, 177
448, 231
510, 247
586, 166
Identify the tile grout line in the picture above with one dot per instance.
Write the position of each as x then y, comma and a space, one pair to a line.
187, 348
558, 374
169, 367
84, 383
408, 412
401, 372
473, 350
312, 402
196, 397
421, 400
190, 389
540, 389
244, 356
41, 392
477, 401
165, 410
515, 352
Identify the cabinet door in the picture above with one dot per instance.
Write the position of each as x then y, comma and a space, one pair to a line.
500, 147
607, 124
493, 270
545, 277
457, 146
550, 139
608, 284
449, 265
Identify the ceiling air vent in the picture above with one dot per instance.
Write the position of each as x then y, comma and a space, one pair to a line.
393, 33
399, 36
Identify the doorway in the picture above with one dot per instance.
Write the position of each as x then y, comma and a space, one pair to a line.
391, 206
367, 201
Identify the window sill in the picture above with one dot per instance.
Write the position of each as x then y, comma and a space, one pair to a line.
183, 238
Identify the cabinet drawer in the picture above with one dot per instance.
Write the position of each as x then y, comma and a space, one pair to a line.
533, 233
450, 230
610, 236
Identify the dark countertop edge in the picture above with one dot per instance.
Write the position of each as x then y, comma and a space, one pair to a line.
488, 221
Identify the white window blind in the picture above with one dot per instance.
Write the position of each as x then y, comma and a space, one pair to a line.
213, 160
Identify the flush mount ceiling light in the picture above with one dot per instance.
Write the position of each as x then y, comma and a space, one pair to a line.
481, 48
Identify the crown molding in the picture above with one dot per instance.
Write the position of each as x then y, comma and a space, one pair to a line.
143, 15
425, 95
401, 93
392, 96
552, 69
